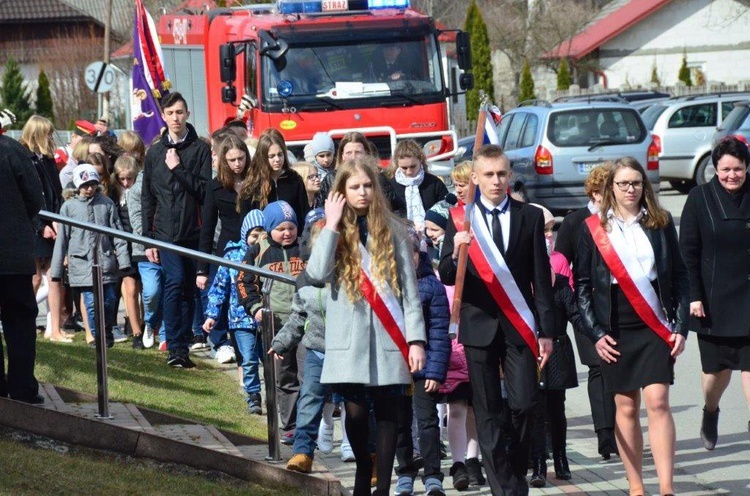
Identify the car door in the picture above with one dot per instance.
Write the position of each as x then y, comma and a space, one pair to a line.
689, 128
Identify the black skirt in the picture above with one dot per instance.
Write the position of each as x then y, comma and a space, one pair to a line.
461, 393
43, 247
721, 353
644, 356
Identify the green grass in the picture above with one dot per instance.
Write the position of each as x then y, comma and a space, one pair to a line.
204, 394
36, 465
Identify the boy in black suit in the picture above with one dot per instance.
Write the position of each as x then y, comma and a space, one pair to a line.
495, 335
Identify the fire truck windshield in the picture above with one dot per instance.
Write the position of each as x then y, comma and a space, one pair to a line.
355, 74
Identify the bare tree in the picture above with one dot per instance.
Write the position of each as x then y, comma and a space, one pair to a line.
450, 13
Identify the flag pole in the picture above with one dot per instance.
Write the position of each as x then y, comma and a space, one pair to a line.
463, 253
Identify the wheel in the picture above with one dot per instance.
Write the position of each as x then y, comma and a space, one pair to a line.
705, 171
682, 186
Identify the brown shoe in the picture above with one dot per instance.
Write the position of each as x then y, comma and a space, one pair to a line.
300, 463
374, 477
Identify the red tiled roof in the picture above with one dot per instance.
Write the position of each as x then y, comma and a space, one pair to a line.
604, 28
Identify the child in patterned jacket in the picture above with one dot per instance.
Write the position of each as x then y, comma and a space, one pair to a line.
242, 327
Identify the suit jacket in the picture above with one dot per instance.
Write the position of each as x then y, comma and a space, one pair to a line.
527, 259
570, 229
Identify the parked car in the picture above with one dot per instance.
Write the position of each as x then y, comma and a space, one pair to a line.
683, 129
553, 146
736, 123
464, 149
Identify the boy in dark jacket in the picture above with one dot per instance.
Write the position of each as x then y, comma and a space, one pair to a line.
426, 384
278, 253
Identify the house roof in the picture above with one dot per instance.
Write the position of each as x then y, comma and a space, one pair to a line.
616, 18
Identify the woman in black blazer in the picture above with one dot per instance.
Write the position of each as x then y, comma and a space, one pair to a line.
715, 241
635, 313
412, 184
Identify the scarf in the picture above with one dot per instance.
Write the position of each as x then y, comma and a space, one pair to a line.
414, 208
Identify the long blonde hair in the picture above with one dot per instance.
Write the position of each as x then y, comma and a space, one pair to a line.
257, 184
380, 237
657, 217
36, 135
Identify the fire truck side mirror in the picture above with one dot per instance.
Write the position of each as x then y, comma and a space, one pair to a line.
228, 69
272, 47
466, 81
463, 50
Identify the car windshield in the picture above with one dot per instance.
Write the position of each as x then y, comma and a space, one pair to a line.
595, 126
371, 72
651, 114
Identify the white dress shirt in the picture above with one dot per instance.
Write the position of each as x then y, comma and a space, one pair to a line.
504, 217
637, 241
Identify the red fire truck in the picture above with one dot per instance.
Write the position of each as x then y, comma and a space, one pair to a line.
308, 66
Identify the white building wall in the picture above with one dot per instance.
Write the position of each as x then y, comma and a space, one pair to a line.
714, 33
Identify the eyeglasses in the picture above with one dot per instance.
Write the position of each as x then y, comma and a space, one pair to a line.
313, 177
625, 185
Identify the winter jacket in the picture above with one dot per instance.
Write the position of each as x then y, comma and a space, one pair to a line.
458, 368
51, 189
307, 323
560, 371
225, 284
172, 199
20, 201
133, 200
78, 244
432, 190
273, 257
436, 320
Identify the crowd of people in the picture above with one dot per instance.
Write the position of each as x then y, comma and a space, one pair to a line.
375, 252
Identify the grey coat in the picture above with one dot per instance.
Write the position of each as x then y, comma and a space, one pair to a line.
20, 201
358, 348
306, 323
133, 200
78, 244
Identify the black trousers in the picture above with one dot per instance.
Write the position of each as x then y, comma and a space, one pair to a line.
288, 380
550, 407
425, 408
602, 403
18, 313
506, 475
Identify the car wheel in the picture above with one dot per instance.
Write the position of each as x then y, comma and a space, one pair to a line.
682, 186
705, 171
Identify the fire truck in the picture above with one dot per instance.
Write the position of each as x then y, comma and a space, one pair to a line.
308, 66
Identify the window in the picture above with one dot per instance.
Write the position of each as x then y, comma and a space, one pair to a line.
701, 115
588, 127
529, 131
515, 130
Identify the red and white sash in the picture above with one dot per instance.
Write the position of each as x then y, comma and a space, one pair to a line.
384, 304
633, 280
494, 271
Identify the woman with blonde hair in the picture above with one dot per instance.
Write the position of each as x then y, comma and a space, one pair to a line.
371, 349
311, 177
133, 145
633, 297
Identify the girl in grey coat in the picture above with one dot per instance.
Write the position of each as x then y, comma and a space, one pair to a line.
78, 245
365, 363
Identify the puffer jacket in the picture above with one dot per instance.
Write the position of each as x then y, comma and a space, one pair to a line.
78, 244
307, 323
436, 318
458, 368
225, 284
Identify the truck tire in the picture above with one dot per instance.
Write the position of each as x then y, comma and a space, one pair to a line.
705, 171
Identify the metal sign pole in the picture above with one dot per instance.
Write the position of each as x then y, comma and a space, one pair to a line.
269, 376
102, 392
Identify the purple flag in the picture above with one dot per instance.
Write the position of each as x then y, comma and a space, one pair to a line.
144, 109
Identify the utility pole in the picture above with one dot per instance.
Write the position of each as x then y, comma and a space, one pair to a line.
103, 97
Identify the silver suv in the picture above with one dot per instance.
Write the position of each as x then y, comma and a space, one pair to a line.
553, 147
683, 128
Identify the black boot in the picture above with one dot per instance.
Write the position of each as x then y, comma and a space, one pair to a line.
607, 443
460, 476
562, 471
474, 468
710, 428
539, 473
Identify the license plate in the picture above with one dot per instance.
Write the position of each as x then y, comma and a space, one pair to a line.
585, 167
335, 5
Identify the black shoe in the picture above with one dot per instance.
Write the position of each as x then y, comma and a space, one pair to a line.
710, 428
37, 399
607, 443
179, 359
460, 476
539, 473
562, 470
127, 328
138, 342
253, 404
474, 468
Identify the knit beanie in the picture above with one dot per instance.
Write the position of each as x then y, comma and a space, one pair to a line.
438, 214
321, 142
84, 173
277, 212
253, 219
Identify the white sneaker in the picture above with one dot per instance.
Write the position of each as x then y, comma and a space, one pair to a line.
225, 354
325, 438
347, 455
148, 337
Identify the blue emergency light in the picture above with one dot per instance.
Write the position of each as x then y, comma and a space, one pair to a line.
315, 6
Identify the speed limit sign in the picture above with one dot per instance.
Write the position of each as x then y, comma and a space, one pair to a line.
99, 77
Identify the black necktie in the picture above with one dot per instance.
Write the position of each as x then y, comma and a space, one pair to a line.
497, 231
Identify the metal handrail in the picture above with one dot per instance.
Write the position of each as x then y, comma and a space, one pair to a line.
269, 365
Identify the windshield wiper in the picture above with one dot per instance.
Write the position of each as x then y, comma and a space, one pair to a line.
402, 96
604, 142
321, 103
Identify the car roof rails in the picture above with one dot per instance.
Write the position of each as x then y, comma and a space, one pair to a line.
534, 102
688, 98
